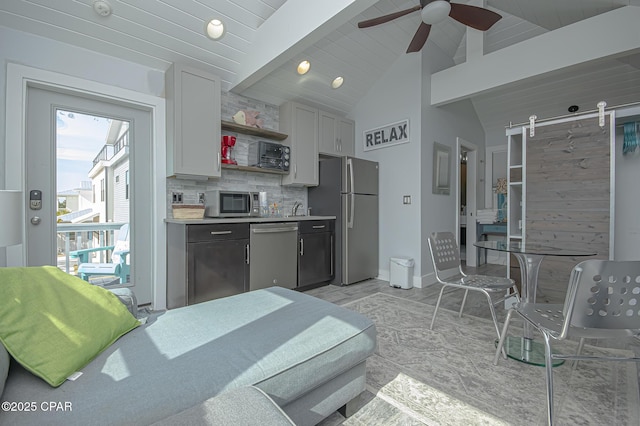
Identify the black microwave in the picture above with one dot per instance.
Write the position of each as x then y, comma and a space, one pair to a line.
269, 155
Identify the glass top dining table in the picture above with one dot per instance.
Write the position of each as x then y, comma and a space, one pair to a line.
530, 257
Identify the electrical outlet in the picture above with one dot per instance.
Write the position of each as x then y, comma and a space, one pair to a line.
201, 197
406, 199
176, 198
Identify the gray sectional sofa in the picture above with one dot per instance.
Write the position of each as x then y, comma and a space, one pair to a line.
307, 355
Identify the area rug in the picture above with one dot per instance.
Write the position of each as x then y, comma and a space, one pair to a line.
446, 376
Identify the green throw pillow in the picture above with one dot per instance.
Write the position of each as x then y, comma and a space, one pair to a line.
54, 323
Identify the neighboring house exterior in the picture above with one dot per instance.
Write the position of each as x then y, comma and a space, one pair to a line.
110, 175
105, 198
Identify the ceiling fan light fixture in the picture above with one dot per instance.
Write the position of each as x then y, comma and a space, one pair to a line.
303, 67
435, 11
337, 82
214, 29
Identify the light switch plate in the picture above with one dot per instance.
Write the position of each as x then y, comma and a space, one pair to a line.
406, 199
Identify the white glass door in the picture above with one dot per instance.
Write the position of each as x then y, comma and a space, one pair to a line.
90, 163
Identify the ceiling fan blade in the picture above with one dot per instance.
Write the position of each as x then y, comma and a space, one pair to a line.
386, 18
420, 38
475, 17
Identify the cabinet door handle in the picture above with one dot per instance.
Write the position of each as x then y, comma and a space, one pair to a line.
319, 226
246, 254
332, 256
301, 247
221, 232
219, 161
295, 170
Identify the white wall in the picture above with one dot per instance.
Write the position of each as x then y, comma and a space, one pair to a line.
43, 53
395, 97
404, 93
444, 125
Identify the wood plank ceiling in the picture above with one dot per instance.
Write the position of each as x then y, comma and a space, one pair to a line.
156, 33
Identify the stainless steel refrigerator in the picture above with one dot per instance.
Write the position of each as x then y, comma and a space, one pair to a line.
348, 189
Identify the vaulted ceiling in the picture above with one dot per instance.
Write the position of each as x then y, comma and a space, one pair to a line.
266, 39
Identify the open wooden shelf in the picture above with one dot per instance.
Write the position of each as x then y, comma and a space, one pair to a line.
253, 169
253, 131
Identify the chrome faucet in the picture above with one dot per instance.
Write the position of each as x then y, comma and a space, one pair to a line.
294, 209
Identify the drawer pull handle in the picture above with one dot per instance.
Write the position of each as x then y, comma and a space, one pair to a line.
220, 232
319, 226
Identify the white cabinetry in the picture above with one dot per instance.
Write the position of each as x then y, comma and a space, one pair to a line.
300, 122
193, 123
336, 135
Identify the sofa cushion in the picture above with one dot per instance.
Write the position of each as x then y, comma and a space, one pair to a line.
4, 366
53, 323
285, 342
243, 406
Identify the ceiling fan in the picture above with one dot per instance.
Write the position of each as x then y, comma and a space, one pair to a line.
434, 11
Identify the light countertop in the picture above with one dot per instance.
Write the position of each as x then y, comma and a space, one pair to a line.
214, 220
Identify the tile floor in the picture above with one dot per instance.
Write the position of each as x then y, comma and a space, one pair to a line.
476, 304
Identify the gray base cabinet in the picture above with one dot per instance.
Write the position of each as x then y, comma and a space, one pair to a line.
316, 257
206, 262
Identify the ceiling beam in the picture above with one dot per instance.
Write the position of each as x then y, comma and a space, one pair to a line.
294, 27
608, 35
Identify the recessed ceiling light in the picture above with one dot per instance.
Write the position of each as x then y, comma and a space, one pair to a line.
337, 82
303, 67
214, 29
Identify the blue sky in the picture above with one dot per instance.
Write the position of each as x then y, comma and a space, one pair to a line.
79, 139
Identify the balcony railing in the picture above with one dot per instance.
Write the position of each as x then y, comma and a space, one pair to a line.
76, 236
109, 151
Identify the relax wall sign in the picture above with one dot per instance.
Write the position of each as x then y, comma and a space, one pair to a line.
389, 135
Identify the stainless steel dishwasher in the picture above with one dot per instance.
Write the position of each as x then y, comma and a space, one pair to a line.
273, 255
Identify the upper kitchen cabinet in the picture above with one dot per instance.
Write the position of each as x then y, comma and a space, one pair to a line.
300, 122
336, 135
193, 123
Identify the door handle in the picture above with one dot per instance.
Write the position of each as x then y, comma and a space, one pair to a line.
332, 256
351, 212
272, 230
350, 174
36, 220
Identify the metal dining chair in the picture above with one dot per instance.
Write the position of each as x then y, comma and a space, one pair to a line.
602, 302
445, 256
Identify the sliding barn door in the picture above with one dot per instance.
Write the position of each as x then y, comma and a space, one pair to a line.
568, 198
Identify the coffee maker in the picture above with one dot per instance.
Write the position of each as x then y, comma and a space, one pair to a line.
228, 142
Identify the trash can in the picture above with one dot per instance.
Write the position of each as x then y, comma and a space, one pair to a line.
401, 272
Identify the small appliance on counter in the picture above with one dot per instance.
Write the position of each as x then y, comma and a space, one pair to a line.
232, 203
269, 155
228, 142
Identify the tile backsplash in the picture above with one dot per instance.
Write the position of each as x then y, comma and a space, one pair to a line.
237, 180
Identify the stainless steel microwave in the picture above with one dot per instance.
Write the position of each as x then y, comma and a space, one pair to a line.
231, 203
